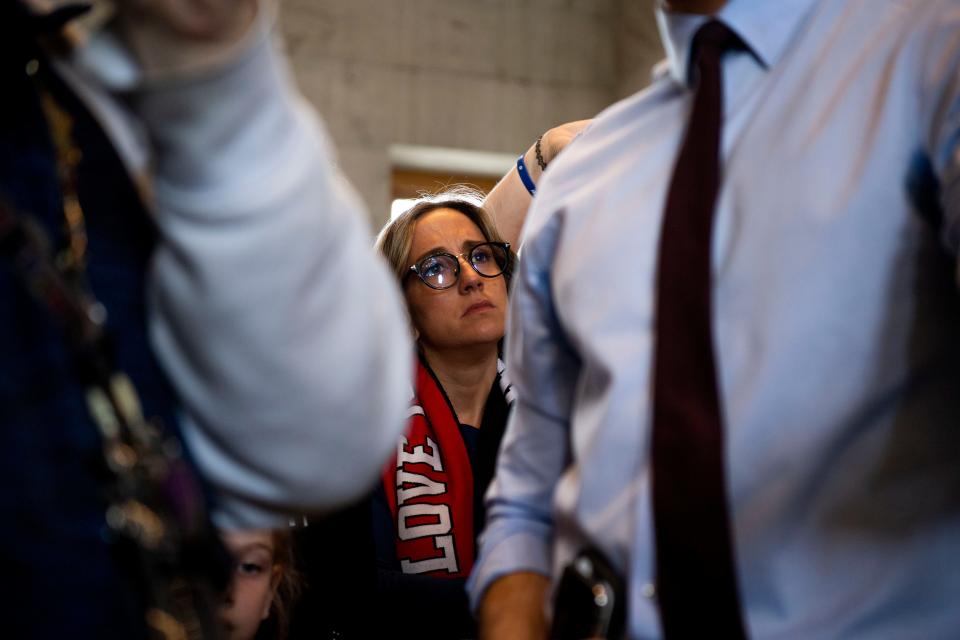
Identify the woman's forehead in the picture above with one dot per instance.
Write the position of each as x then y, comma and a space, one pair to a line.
446, 228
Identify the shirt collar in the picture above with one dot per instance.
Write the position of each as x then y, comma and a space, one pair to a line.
766, 27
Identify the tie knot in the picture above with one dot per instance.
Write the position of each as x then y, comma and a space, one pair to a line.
715, 37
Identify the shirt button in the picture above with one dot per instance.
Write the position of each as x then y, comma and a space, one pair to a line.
648, 591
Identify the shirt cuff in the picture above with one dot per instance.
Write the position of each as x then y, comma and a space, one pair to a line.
503, 553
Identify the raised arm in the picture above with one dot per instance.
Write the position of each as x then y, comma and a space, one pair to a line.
279, 327
509, 200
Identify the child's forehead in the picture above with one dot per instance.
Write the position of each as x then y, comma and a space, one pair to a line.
249, 540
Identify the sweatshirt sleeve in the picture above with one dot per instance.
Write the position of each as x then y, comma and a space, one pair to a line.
282, 331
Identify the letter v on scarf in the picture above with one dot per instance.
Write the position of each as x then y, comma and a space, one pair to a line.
424, 486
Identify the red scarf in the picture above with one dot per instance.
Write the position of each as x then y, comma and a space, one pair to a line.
429, 486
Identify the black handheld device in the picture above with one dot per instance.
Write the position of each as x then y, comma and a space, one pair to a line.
590, 600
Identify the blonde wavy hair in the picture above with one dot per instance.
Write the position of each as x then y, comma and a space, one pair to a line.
396, 238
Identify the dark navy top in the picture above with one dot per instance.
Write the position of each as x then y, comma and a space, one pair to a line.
66, 576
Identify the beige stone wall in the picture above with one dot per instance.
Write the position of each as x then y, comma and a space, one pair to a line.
474, 74
638, 45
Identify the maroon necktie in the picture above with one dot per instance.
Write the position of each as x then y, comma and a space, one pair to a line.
696, 579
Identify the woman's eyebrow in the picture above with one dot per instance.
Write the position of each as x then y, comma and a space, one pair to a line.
255, 546
465, 246
431, 252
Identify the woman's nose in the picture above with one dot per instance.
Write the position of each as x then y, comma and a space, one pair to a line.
469, 278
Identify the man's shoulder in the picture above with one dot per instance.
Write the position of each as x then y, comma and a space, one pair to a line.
920, 13
878, 6
594, 164
585, 163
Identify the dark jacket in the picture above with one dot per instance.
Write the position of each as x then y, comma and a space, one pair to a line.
70, 577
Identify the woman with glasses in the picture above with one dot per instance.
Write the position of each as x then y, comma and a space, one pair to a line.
454, 268
454, 271
410, 546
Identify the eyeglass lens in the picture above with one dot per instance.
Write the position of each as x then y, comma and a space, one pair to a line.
441, 271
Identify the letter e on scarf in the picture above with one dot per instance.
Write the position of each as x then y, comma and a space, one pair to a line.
419, 454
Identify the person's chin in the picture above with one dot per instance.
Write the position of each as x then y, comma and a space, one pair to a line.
483, 331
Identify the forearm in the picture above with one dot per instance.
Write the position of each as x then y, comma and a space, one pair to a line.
276, 323
509, 201
513, 607
518, 538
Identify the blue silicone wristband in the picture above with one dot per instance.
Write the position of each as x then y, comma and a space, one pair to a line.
525, 176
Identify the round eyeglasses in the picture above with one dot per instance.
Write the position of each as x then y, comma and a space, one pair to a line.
442, 270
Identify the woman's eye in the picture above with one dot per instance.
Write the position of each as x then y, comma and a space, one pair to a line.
249, 568
435, 266
482, 255
432, 269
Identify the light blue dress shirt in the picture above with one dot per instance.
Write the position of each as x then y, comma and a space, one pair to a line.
836, 324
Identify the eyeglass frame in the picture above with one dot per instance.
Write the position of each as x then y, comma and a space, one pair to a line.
466, 258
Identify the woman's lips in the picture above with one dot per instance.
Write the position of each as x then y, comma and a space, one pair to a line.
477, 307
